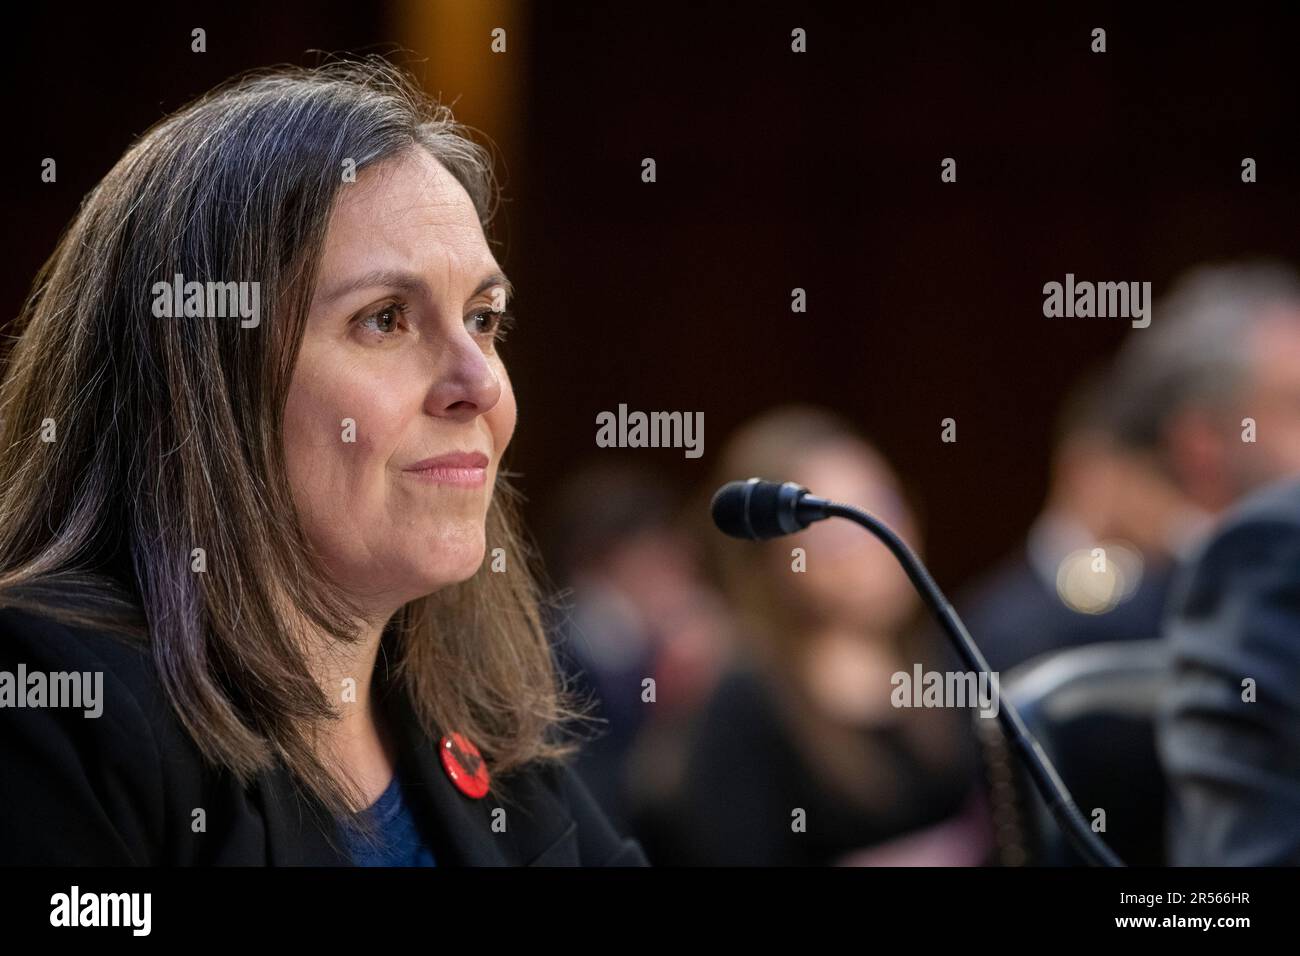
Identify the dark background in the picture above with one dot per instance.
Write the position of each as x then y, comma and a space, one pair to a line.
775, 170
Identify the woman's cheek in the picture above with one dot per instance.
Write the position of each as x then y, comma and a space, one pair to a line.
313, 450
506, 413
330, 432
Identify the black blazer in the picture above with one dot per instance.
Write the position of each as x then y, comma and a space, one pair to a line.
1233, 765
122, 788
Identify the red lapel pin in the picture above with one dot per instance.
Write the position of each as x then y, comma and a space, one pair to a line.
465, 765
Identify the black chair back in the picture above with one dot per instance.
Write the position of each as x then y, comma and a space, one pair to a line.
1092, 709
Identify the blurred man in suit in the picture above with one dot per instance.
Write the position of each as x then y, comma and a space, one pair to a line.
1052, 593
1227, 347
1195, 412
1229, 726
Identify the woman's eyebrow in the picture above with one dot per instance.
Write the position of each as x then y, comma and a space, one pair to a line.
496, 279
406, 281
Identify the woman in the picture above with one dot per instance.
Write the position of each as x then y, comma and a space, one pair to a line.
253, 425
800, 757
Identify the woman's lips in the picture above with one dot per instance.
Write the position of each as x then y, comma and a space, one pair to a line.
463, 468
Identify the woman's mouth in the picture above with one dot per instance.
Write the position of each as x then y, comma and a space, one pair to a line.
462, 468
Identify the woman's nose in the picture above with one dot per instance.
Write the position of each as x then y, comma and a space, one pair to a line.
465, 380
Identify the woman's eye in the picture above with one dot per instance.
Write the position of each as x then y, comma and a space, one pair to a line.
384, 321
491, 323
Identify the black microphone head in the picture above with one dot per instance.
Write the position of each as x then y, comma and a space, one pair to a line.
758, 509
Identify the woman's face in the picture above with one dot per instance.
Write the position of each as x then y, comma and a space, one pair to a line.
400, 340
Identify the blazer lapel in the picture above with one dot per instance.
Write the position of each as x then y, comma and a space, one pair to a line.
538, 827
295, 823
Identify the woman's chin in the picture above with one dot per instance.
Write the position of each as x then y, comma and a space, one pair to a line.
450, 568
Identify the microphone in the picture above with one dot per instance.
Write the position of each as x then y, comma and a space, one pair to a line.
758, 510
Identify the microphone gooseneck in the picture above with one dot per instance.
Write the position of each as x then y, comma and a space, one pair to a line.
758, 510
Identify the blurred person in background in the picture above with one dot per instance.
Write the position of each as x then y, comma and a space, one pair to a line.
635, 607
1223, 347
1228, 726
1197, 410
1055, 591
802, 719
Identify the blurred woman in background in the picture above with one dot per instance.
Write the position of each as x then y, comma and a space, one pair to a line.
803, 720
